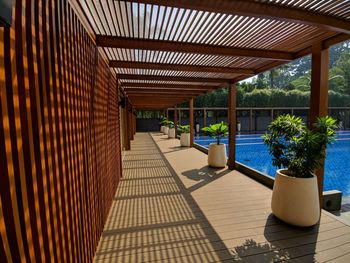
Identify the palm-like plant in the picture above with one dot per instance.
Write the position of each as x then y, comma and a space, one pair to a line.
297, 148
216, 131
184, 128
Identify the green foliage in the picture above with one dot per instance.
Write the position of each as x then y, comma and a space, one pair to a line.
163, 122
216, 131
288, 85
184, 128
170, 124
297, 148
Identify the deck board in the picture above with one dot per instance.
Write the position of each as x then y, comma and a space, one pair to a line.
170, 207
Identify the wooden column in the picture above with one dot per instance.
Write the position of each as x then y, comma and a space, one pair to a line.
126, 125
175, 121
134, 115
232, 126
131, 123
191, 122
167, 114
319, 98
180, 116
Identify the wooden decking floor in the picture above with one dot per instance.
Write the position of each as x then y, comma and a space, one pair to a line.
170, 207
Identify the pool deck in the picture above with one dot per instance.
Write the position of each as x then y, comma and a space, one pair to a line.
170, 207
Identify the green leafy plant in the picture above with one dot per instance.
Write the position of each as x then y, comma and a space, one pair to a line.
216, 131
184, 128
163, 122
170, 124
297, 148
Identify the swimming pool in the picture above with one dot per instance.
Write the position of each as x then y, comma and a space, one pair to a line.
251, 151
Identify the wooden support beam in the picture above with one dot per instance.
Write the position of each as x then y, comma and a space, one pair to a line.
232, 126
127, 126
173, 46
177, 67
262, 10
175, 120
319, 98
163, 91
171, 78
191, 113
127, 85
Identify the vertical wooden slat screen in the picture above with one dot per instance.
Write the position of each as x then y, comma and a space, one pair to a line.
60, 158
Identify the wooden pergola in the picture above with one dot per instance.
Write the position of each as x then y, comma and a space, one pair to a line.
168, 52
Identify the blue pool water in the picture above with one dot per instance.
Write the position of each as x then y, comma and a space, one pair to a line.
251, 151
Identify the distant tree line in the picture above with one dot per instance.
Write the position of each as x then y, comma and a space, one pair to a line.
289, 85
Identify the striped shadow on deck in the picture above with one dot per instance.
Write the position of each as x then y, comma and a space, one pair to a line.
170, 207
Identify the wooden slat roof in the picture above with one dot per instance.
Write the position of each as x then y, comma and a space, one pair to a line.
208, 42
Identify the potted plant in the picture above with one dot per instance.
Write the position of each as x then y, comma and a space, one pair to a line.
166, 127
185, 135
171, 129
297, 151
239, 126
217, 151
162, 124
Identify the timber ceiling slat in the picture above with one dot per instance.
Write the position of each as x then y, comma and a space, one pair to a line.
119, 42
308, 14
178, 67
166, 78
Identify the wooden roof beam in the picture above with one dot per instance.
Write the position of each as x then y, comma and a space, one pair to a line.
262, 10
128, 85
173, 46
127, 90
177, 67
171, 78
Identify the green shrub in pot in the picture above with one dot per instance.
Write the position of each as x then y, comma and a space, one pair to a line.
185, 135
297, 151
217, 151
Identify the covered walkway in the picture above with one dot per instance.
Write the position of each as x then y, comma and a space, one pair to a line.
170, 207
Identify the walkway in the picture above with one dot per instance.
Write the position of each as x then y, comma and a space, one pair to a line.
170, 207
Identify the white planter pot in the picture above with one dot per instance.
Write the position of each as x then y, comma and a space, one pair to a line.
217, 155
185, 139
171, 133
239, 127
166, 130
162, 128
295, 200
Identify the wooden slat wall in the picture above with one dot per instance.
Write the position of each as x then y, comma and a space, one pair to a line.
59, 136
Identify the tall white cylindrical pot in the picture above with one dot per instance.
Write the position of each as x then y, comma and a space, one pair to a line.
295, 200
239, 127
171, 133
185, 139
162, 128
217, 155
166, 130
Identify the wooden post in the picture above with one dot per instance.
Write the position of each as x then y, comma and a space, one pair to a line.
319, 98
134, 115
180, 116
232, 126
167, 114
175, 121
126, 125
191, 123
